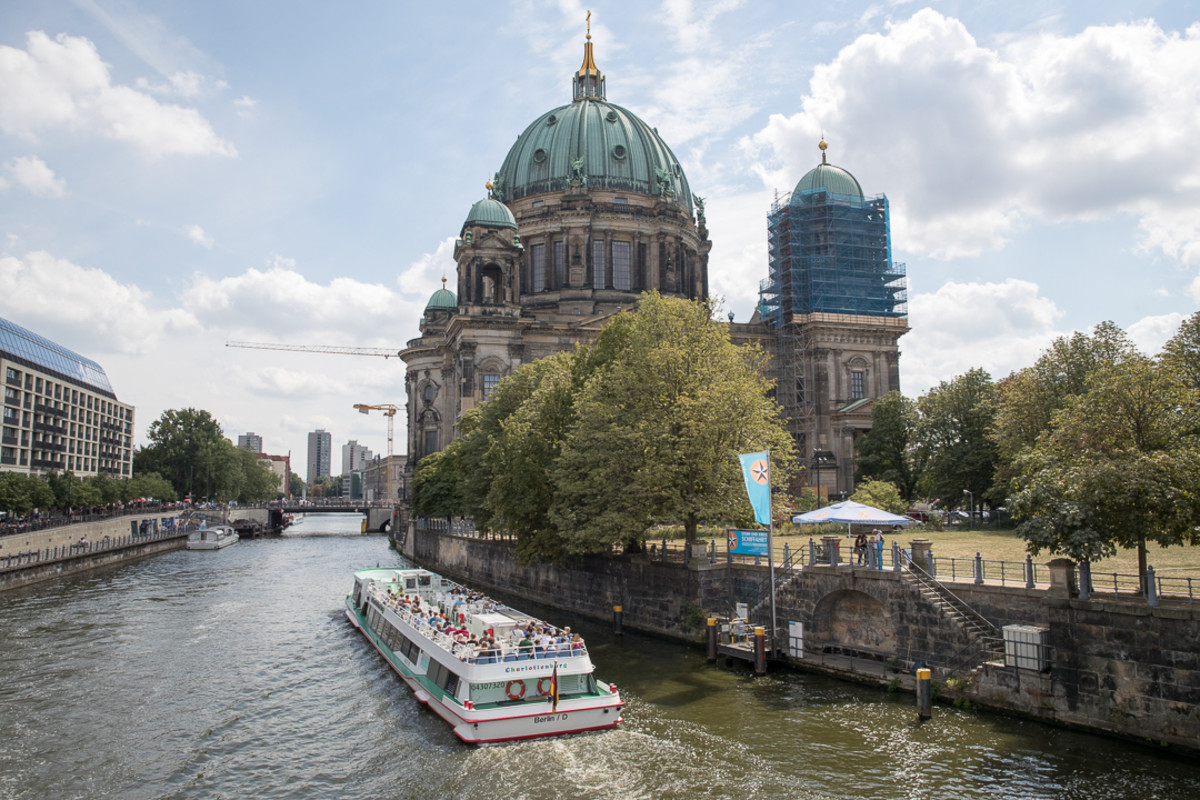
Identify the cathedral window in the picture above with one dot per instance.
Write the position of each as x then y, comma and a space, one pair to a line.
490, 380
560, 258
857, 390
622, 280
431, 442
537, 260
598, 264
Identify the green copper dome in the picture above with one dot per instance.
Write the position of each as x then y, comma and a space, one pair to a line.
442, 300
825, 177
490, 213
593, 144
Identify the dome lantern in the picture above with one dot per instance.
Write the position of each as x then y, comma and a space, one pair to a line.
588, 81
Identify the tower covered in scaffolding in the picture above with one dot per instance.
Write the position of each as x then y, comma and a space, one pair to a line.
836, 303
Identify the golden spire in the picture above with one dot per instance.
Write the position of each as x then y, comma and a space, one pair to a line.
824, 146
588, 80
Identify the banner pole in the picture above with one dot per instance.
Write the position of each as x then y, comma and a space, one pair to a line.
771, 555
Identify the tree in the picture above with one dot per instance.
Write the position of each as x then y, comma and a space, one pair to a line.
1028, 399
1118, 466
183, 448
956, 417
20, 494
435, 489
1181, 355
891, 450
151, 486
658, 428
882, 495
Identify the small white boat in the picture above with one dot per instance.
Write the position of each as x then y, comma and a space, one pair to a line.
213, 538
499, 684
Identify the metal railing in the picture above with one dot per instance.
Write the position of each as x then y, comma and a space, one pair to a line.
11, 561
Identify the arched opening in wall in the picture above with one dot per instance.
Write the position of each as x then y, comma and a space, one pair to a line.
857, 376
852, 622
491, 277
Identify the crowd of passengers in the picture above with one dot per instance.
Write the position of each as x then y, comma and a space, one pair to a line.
534, 640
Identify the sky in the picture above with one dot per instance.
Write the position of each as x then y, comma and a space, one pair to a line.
176, 175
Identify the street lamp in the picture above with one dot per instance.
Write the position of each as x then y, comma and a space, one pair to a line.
971, 498
820, 457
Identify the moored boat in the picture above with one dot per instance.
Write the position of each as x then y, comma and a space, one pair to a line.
493, 673
213, 538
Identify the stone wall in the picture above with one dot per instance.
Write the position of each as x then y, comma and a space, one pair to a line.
1117, 667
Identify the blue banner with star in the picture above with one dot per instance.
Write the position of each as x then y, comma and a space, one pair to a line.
756, 470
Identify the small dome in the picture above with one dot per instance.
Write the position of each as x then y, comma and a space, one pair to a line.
825, 177
442, 300
490, 213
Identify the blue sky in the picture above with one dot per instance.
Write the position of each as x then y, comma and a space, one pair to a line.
177, 174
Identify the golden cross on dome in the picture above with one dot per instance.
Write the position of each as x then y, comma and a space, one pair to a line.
589, 24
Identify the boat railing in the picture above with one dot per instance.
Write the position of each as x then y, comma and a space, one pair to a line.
507, 650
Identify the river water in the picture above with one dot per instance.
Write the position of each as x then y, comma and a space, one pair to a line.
234, 674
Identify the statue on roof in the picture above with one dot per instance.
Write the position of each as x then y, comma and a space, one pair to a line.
699, 201
578, 176
497, 187
666, 186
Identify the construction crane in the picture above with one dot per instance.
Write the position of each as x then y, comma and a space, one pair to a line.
389, 411
318, 348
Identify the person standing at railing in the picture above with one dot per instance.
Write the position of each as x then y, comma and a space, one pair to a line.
877, 545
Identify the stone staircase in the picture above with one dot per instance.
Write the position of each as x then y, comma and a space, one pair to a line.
979, 630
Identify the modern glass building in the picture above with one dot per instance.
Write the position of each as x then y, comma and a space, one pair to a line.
60, 411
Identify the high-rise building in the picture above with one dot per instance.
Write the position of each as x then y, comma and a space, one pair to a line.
60, 412
250, 441
320, 445
354, 457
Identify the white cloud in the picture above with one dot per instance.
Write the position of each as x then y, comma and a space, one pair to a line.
31, 173
424, 276
245, 106
109, 315
62, 84
1000, 327
198, 235
1046, 127
1151, 333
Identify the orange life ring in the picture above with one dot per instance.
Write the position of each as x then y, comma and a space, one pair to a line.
515, 690
546, 691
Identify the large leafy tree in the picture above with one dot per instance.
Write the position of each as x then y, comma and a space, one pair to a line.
880, 494
956, 417
187, 447
1028, 399
658, 428
891, 451
1119, 466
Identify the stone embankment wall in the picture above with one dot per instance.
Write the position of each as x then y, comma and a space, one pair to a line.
1117, 667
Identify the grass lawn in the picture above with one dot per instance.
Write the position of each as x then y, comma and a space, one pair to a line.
1002, 544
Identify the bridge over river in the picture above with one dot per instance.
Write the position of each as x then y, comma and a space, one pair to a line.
377, 517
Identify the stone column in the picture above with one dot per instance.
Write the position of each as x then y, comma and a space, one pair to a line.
1062, 578
921, 554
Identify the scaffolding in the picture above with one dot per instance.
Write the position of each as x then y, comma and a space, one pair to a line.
829, 255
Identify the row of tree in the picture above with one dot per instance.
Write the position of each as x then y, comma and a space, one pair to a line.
1093, 447
21, 494
585, 451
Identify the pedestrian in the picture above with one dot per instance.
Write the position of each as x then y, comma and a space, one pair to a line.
860, 548
877, 543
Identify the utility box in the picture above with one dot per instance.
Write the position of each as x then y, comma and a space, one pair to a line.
1025, 647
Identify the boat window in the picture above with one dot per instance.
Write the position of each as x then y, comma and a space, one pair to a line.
425, 580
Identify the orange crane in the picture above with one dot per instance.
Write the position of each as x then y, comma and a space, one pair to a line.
389, 411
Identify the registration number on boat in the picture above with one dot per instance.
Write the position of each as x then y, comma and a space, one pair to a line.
550, 718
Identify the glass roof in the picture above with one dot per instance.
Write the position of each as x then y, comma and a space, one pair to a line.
38, 350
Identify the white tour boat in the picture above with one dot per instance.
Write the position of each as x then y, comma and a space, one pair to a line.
468, 658
213, 538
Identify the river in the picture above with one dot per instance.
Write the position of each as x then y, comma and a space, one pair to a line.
234, 674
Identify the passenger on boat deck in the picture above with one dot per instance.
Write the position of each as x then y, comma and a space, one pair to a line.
525, 646
576, 642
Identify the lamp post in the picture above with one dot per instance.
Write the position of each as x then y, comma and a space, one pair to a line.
971, 499
817, 463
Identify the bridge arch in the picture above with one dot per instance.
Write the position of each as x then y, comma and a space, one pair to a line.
854, 620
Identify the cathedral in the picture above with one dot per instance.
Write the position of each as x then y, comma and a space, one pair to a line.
589, 209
